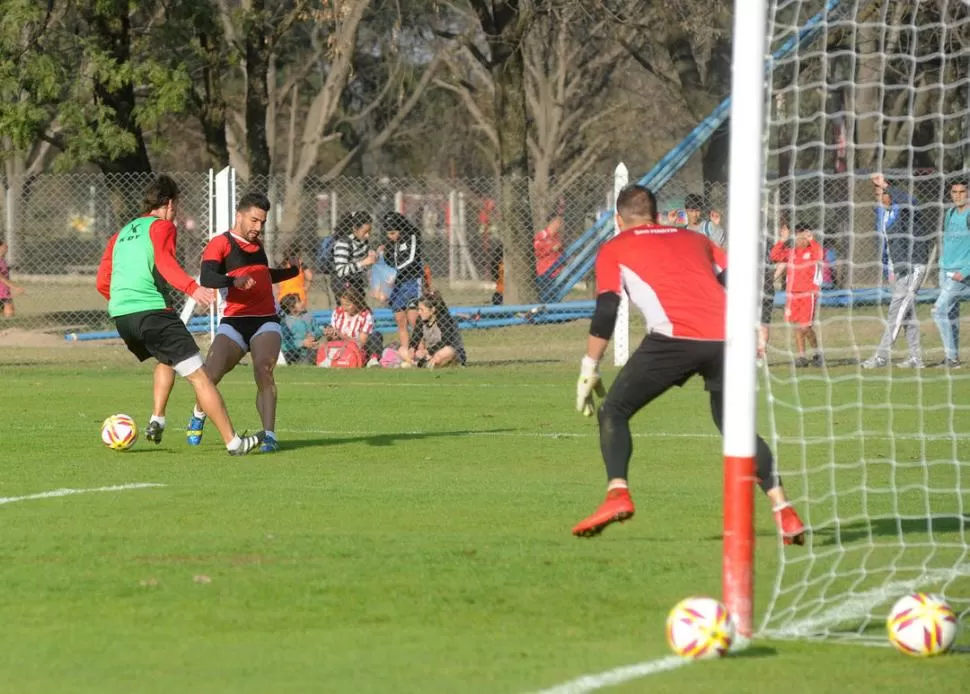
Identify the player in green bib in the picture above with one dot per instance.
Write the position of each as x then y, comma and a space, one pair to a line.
137, 267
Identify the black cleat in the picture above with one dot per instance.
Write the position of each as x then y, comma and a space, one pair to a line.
249, 443
153, 432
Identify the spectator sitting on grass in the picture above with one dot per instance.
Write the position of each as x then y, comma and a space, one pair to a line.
353, 321
300, 332
435, 340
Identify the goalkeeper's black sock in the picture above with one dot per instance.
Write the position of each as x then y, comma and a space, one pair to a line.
616, 444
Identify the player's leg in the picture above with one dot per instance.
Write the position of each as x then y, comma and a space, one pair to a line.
894, 321
446, 356
170, 342
265, 350
655, 366
9, 311
789, 524
163, 380
943, 317
226, 350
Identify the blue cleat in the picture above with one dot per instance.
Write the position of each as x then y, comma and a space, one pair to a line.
269, 445
193, 432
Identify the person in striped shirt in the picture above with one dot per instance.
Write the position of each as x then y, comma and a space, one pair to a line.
352, 256
353, 321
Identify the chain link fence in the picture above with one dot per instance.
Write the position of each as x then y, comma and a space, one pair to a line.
56, 227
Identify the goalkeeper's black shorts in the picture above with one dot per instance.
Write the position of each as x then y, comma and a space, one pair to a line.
662, 362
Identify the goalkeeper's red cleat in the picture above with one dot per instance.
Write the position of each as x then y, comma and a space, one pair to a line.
790, 526
618, 507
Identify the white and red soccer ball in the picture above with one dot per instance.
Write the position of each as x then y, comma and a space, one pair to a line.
699, 628
921, 624
119, 432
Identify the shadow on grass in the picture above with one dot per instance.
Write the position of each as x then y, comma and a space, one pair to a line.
754, 652
387, 439
890, 527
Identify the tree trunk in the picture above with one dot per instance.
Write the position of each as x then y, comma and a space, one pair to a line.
257, 92
508, 71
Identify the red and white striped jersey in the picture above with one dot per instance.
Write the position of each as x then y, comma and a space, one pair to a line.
670, 274
360, 324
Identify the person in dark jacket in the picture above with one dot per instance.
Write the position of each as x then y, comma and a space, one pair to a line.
403, 252
907, 242
435, 340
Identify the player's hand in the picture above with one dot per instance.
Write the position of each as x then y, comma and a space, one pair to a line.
715, 217
879, 181
589, 382
958, 276
203, 296
369, 260
243, 282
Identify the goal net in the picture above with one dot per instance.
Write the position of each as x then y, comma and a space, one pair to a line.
874, 455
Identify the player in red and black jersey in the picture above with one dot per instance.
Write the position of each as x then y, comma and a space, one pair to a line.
676, 277
235, 263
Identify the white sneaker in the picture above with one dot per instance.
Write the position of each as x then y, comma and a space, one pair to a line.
875, 363
372, 363
911, 363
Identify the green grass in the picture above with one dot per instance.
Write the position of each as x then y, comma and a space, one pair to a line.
413, 535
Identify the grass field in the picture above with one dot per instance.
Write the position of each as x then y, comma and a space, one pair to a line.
413, 535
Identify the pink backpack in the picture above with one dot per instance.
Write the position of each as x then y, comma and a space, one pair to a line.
340, 354
390, 358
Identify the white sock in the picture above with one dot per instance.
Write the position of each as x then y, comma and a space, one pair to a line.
616, 484
270, 434
779, 507
196, 412
235, 443
160, 420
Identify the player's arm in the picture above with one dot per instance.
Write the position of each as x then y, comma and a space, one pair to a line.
780, 251
103, 281
213, 260
162, 233
609, 285
281, 274
718, 262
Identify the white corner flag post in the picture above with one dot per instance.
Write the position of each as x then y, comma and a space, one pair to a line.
621, 335
744, 202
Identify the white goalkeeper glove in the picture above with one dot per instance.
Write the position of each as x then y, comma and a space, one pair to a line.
588, 383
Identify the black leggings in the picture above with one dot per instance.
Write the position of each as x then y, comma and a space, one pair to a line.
656, 366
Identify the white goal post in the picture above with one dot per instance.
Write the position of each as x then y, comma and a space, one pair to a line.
874, 454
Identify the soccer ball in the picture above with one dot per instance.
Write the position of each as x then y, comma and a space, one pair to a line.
921, 624
700, 628
119, 432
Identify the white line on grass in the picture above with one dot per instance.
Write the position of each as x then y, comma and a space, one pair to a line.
69, 492
610, 678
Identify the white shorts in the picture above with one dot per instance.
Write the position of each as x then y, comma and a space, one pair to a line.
242, 329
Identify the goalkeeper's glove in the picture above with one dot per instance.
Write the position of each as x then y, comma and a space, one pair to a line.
588, 383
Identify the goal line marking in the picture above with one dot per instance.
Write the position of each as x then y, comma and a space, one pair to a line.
54, 493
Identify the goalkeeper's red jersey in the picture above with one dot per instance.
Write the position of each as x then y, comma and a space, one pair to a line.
670, 274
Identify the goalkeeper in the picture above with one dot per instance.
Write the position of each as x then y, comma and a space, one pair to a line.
676, 278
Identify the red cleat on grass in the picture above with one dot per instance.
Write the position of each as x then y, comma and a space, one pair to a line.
618, 507
790, 526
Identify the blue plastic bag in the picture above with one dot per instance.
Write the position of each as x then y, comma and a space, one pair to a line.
382, 277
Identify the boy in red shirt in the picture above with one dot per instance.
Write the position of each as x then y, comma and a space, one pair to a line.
803, 285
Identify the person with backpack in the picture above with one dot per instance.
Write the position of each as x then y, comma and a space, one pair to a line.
352, 327
404, 253
907, 242
954, 272
349, 255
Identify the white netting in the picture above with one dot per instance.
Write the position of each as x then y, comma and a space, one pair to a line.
877, 460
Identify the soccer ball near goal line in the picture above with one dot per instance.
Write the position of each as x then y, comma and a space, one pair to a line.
700, 628
921, 625
119, 432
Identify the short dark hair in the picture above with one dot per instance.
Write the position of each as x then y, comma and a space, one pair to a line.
351, 222
636, 202
693, 201
159, 193
288, 302
959, 181
803, 227
251, 200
